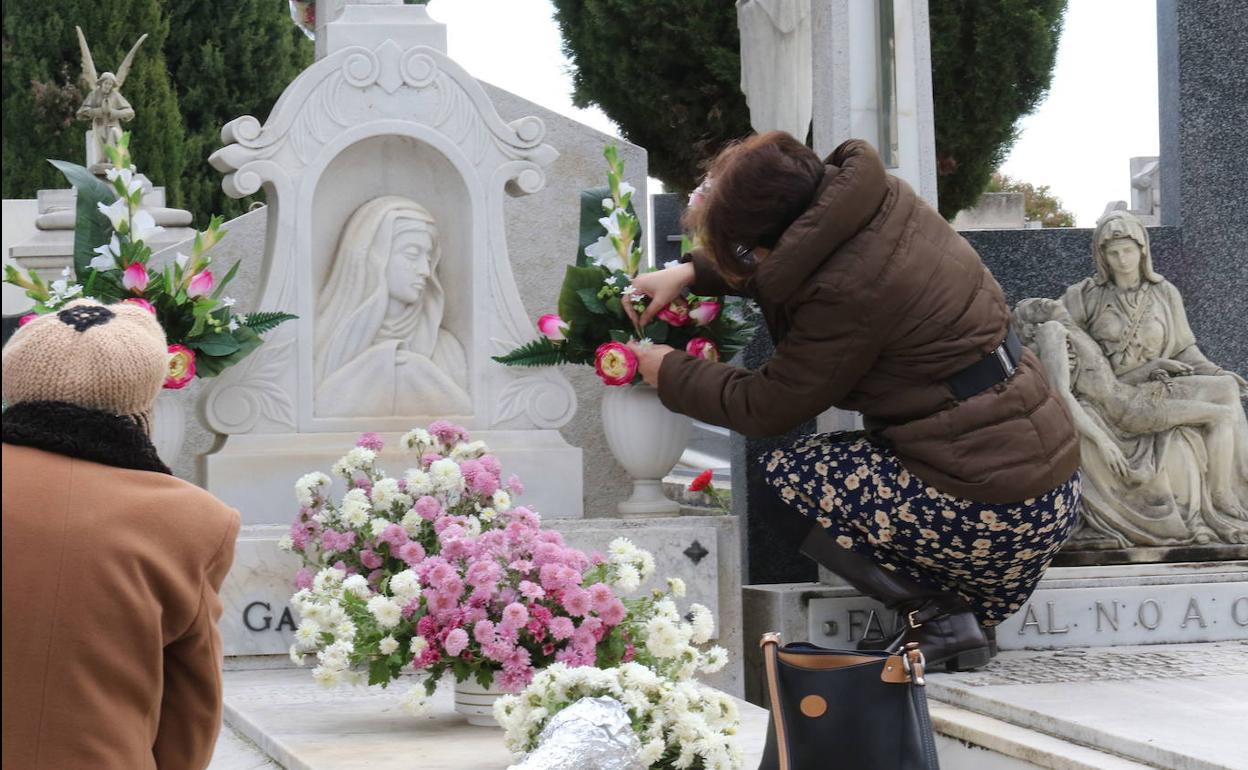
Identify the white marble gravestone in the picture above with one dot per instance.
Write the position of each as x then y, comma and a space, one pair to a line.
386, 168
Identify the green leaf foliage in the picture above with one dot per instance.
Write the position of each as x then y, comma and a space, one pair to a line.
217, 344
91, 228
590, 299
668, 73
260, 323
211, 366
539, 352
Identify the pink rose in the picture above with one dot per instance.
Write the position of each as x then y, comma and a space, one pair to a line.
676, 314
27, 319
705, 311
135, 278
615, 363
553, 327
456, 641
181, 367
149, 307
200, 285
701, 347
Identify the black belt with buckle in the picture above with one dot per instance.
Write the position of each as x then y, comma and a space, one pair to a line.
997, 366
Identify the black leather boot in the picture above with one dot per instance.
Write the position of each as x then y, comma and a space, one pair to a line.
943, 625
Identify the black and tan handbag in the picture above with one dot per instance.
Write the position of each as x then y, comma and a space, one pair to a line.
846, 710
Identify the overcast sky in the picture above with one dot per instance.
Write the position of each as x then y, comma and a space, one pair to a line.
1101, 110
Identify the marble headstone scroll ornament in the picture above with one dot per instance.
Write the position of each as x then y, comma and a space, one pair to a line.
104, 106
777, 66
1163, 431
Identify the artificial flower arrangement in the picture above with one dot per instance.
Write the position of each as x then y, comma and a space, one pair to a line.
592, 326
112, 264
679, 722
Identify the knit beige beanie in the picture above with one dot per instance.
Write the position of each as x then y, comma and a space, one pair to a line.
109, 358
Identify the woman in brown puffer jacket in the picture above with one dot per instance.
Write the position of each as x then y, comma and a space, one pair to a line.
951, 506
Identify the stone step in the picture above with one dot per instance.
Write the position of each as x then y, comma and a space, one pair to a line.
966, 740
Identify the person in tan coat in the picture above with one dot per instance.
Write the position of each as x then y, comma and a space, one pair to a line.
964, 486
111, 565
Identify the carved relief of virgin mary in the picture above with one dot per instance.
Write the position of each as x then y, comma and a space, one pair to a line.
381, 349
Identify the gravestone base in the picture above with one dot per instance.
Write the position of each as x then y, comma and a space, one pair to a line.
1073, 607
1088, 557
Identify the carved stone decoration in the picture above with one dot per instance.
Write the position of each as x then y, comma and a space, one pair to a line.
1163, 432
408, 126
777, 66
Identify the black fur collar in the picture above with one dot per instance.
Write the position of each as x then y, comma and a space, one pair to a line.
87, 434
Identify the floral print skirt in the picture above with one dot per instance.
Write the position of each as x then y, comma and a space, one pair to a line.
992, 555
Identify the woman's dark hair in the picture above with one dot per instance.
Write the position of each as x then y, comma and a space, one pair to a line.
758, 187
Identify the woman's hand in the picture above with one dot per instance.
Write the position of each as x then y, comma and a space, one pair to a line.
662, 287
649, 359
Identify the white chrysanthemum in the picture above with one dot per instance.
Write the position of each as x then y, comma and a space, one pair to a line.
419, 483
388, 645
411, 523
447, 477
414, 703
646, 564
344, 630
405, 586
385, 610
621, 549
358, 459
502, 500
652, 751
473, 526
469, 451
626, 578
377, 526
328, 578
676, 586
714, 660
419, 441
356, 511
666, 608
386, 493
307, 635
296, 655
285, 543
357, 585
336, 656
488, 514
327, 677
702, 622
665, 639
418, 645
308, 487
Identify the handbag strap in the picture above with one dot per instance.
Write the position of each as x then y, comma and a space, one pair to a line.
771, 653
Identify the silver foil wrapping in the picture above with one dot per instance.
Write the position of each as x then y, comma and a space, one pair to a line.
591, 734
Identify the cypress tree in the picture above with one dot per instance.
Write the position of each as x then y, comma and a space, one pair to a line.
227, 59
42, 89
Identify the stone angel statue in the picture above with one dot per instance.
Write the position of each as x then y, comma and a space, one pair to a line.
104, 106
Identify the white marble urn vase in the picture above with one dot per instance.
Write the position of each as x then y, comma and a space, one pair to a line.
476, 703
169, 424
647, 440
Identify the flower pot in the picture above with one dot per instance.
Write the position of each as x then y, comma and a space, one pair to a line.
169, 425
647, 440
476, 703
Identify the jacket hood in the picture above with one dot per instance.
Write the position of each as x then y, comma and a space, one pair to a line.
853, 187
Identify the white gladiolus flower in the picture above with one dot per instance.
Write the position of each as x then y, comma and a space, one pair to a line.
387, 645
118, 213
676, 586
386, 611
603, 252
129, 181
143, 226
608, 204
611, 222
502, 500
181, 260
626, 190
405, 586
108, 254
357, 585
703, 624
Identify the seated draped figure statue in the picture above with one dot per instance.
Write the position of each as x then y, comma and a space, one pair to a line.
380, 346
1165, 437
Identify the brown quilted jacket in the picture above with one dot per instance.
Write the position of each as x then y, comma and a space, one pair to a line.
873, 301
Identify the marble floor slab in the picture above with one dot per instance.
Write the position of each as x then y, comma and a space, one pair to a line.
303, 726
1179, 707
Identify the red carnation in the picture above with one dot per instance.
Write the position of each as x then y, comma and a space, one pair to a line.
701, 482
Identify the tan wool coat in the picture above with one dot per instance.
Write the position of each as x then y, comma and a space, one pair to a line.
873, 301
112, 658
